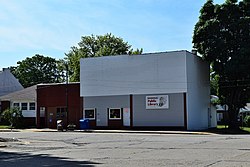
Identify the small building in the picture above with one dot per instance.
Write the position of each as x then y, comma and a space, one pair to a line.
25, 99
43, 104
245, 111
59, 101
155, 90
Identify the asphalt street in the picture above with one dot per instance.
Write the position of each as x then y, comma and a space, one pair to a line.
122, 149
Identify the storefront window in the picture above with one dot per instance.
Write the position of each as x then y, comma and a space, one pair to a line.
89, 113
115, 113
24, 106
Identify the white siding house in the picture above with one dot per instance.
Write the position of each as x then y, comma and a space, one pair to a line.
24, 99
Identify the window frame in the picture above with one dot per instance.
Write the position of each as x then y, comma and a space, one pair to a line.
26, 106
15, 105
89, 109
61, 112
32, 106
115, 109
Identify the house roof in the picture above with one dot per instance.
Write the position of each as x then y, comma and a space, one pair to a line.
8, 83
27, 94
53, 84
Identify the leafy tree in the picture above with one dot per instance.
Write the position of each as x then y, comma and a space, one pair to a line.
222, 37
37, 69
95, 46
62, 69
13, 116
214, 84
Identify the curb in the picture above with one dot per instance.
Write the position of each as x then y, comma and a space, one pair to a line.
9, 130
146, 132
112, 131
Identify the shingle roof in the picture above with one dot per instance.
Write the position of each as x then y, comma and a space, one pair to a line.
8, 83
27, 94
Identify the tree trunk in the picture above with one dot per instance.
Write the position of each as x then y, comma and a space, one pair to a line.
233, 117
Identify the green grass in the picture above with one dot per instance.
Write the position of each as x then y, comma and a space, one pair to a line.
247, 129
4, 127
222, 126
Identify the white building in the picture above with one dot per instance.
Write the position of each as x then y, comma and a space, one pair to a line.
26, 100
160, 90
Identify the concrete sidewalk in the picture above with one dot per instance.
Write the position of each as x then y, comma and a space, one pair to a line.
111, 131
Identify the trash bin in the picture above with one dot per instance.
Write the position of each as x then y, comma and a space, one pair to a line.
84, 124
59, 124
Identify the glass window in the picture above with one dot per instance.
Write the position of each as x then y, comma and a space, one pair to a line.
115, 113
24, 106
16, 105
89, 113
60, 112
32, 106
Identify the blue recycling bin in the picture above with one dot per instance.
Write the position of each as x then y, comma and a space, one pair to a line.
84, 124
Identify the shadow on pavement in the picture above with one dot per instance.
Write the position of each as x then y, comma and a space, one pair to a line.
10, 159
227, 131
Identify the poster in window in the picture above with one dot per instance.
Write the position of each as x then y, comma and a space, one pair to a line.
157, 102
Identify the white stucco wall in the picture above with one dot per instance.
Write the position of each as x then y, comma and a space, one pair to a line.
158, 73
198, 93
170, 117
135, 74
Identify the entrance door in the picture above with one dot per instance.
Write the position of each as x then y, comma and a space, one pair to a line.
126, 117
115, 118
90, 114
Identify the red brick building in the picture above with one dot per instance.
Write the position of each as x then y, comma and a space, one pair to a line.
58, 102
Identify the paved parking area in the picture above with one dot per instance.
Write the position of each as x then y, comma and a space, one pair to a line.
123, 149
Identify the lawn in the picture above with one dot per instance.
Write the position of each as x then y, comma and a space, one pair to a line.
246, 129
4, 127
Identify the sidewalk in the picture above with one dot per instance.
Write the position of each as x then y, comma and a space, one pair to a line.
110, 131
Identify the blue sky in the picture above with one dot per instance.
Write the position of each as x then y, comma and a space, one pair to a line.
52, 27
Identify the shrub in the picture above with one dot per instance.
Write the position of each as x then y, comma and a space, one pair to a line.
247, 121
13, 116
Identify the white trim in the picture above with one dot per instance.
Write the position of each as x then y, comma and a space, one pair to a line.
115, 118
89, 109
27, 112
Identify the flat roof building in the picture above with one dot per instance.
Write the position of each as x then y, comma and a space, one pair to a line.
160, 90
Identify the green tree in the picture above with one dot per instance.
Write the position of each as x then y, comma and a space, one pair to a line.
95, 46
37, 69
13, 116
222, 37
214, 84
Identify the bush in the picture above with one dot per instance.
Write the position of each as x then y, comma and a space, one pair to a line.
13, 116
247, 121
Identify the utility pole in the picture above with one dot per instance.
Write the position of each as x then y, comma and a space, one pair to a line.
66, 93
